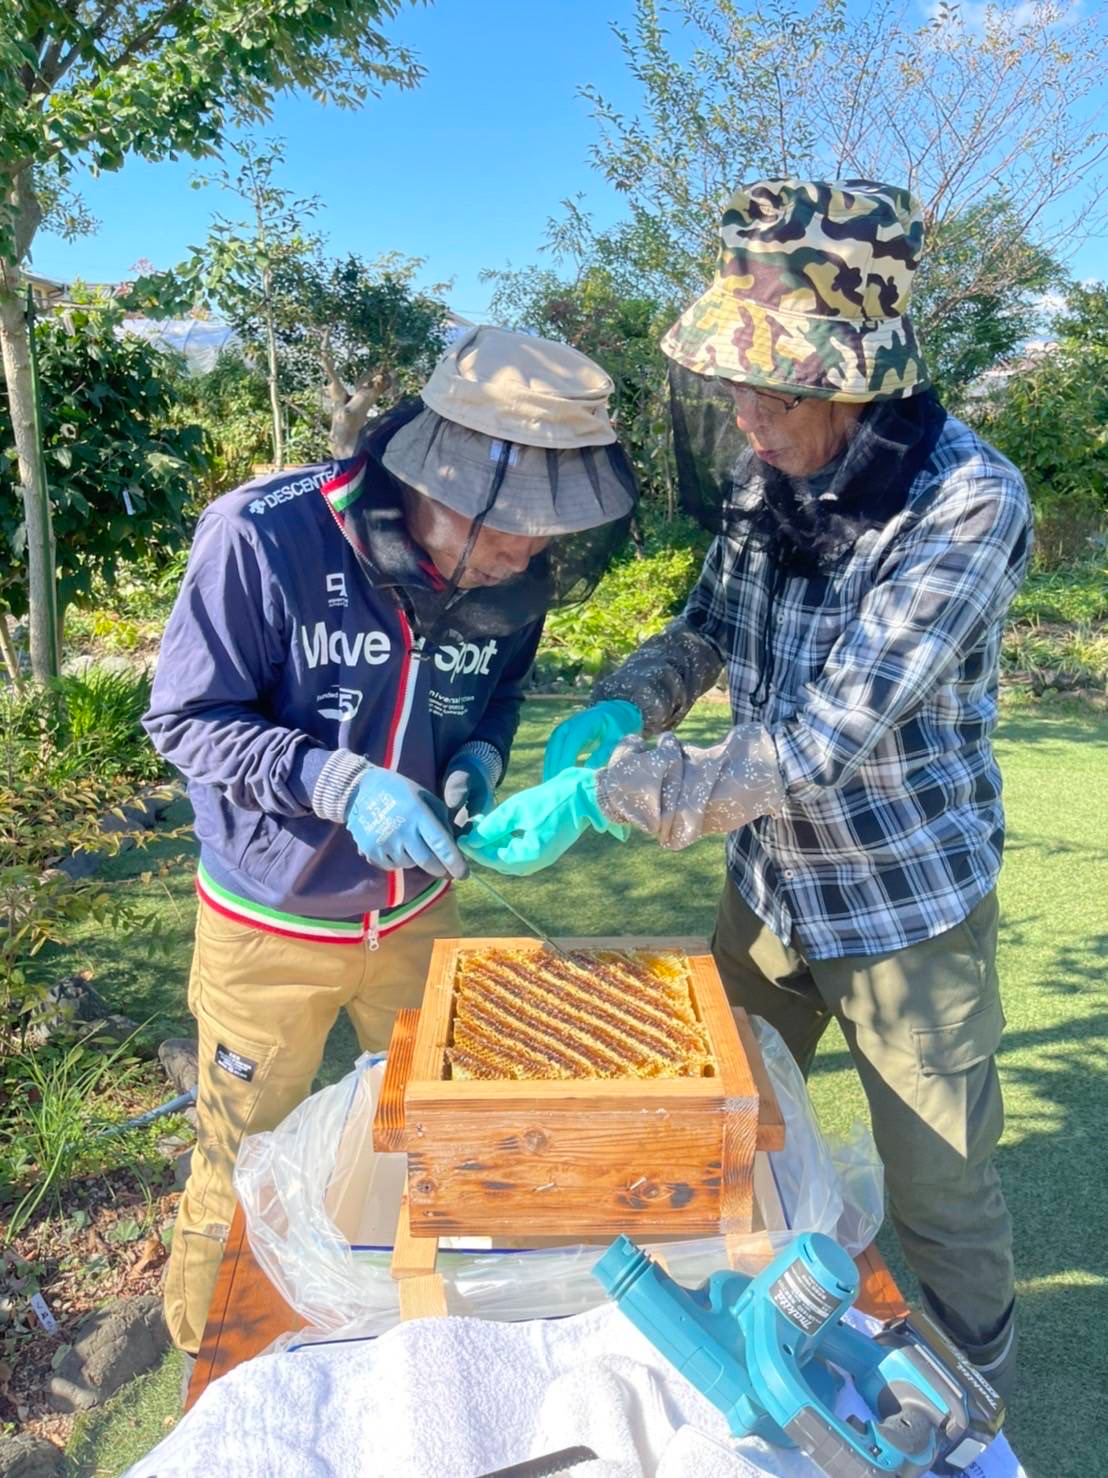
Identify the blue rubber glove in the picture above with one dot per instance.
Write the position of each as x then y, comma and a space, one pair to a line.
466, 790
395, 823
534, 827
597, 729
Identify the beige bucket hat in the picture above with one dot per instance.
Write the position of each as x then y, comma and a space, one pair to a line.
516, 429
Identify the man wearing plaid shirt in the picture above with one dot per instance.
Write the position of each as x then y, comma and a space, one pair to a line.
870, 547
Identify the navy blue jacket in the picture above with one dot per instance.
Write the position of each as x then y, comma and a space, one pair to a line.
279, 651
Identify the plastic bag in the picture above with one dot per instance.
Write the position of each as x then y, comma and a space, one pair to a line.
321, 1208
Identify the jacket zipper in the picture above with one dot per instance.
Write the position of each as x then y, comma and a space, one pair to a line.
394, 747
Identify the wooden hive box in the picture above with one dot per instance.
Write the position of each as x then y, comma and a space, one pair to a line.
581, 1157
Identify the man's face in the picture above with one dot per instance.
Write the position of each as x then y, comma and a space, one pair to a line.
494, 558
798, 435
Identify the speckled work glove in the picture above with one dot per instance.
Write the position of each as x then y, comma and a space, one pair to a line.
679, 793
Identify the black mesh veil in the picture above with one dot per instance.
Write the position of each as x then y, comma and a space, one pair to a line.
707, 444
564, 573
808, 522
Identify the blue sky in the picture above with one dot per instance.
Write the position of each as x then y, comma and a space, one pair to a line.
464, 171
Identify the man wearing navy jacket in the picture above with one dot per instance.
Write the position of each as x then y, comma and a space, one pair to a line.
340, 683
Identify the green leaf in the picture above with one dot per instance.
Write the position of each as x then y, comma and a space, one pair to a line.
127, 1229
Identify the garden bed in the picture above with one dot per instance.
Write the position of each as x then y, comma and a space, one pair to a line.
103, 1236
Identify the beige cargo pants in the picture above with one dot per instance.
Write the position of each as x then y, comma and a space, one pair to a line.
922, 1025
264, 1005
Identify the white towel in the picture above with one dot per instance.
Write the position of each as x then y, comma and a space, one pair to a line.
455, 1398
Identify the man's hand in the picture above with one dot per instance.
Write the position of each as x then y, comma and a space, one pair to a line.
533, 828
596, 730
396, 824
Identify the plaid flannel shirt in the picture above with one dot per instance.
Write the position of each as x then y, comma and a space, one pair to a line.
878, 684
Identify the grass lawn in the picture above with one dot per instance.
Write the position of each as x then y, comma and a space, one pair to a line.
1054, 1065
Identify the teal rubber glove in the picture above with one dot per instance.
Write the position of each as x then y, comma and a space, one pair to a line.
597, 729
533, 828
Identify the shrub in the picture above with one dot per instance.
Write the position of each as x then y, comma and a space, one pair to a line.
1078, 657
230, 402
58, 1122
1075, 592
1052, 421
67, 757
119, 471
97, 726
634, 600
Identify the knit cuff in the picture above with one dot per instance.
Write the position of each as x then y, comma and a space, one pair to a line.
336, 783
485, 756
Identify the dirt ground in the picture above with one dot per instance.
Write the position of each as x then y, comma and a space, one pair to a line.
107, 1239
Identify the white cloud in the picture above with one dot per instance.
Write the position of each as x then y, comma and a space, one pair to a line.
974, 14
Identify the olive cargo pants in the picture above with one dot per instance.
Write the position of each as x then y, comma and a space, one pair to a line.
922, 1025
264, 1004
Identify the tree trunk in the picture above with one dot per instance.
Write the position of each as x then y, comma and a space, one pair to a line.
7, 650
274, 395
42, 594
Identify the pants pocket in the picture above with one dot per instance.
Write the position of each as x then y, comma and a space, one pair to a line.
959, 1045
958, 1095
234, 1073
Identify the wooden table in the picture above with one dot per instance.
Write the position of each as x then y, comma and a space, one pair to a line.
248, 1313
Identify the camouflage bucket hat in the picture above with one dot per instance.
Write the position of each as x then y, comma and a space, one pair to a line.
811, 293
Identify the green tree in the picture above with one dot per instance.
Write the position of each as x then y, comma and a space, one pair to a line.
93, 83
608, 309
1050, 417
359, 332
364, 327
1083, 326
985, 116
242, 271
230, 403
240, 267
974, 312
122, 472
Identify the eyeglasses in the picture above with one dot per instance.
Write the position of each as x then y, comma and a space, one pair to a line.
761, 402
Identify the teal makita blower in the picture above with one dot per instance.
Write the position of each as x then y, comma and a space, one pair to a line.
762, 1350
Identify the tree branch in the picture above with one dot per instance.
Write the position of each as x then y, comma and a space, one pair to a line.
54, 69
338, 391
146, 35
348, 419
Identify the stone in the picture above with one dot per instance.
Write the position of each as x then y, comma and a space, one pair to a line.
112, 1346
71, 1008
182, 1167
171, 1145
179, 1057
25, 1456
141, 813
